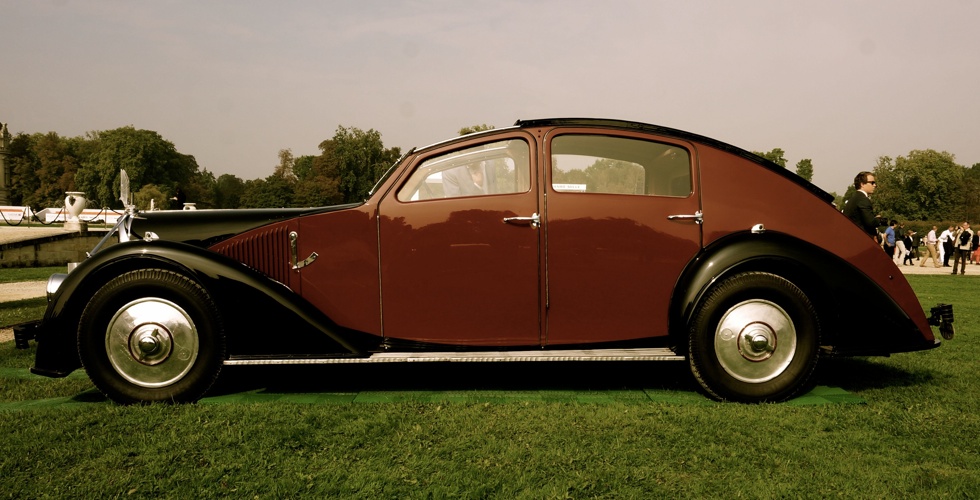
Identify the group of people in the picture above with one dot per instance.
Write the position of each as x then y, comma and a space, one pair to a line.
899, 244
957, 243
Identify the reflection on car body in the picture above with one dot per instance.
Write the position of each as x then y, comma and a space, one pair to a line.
558, 239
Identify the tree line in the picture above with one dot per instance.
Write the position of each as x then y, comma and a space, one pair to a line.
924, 185
45, 166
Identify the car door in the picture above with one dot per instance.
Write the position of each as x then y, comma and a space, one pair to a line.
623, 220
459, 244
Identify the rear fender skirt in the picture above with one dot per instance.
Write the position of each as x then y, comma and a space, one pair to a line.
856, 314
261, 315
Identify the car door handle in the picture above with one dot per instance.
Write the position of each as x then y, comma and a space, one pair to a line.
696, 217
534, 220
293, 236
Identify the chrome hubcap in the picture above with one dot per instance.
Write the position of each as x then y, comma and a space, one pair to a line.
151, 342
755, 341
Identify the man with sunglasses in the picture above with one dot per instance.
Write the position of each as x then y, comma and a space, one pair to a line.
858, 207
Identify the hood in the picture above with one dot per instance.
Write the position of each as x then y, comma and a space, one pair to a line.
205, 228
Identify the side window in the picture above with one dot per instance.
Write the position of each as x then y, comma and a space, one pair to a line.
619, 165
497, 168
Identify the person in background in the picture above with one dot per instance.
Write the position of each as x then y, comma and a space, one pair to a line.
975, 256
890, 239
914, 249
931, 241
946, 239
900, 248
909, 240
468, 180
177, 200
963, 241
858, 207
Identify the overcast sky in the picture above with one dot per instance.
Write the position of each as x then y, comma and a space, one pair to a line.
233, 82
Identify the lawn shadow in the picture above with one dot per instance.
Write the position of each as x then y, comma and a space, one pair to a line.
849, 374
857, 374
448, 376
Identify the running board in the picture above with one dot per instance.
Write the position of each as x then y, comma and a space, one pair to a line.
658, 354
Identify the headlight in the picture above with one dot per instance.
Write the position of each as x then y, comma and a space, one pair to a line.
54, 282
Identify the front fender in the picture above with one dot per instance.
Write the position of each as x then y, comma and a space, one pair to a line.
261, 315
857, 314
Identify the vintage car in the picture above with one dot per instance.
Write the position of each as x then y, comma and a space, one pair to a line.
553, 239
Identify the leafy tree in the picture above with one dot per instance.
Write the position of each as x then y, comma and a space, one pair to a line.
804, 169
319, 185
43, 168
356, 159
285, 167
228, 190
200, 189
925, 185
302, 166
144, 154
475, 128
776, 156
970, 202
318, 191
150, 192
24, 167
271, 192
839, 199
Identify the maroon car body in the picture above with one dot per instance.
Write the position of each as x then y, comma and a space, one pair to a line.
552, 239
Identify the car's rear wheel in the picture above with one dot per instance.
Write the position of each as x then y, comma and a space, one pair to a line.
755, 337
151, 335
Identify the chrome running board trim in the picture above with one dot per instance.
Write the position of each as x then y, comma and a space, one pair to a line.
657, 354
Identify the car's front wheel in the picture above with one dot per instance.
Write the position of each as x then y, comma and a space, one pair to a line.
755, 337
151, 335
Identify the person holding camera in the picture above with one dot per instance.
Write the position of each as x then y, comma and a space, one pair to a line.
963, 240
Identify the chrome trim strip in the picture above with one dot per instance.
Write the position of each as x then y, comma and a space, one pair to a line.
655, 354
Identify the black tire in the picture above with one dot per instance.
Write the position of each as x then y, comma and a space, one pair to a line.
755, 337
151, 335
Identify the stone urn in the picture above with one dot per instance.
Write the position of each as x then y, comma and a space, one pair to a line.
74, 204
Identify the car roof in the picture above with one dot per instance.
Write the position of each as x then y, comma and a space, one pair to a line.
652, 129
677, 134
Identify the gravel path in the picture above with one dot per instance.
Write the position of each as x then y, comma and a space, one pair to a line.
18, 291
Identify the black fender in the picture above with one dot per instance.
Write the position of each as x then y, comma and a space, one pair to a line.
261, 315
857, 317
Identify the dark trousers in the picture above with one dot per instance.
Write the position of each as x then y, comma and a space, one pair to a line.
947, 252
908, 255
960, 257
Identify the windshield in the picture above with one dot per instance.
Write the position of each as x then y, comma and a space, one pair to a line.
388, 173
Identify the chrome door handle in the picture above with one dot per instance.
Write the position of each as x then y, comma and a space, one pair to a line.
534, 220
696, 217
293, 236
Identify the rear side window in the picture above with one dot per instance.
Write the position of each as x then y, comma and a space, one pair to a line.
501, 167
619, 165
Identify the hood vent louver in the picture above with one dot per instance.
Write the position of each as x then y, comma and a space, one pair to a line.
266, 251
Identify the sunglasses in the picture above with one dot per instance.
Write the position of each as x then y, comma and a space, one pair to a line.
873, 183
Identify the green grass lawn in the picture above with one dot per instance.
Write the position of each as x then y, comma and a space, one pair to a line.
916, 435
17, 274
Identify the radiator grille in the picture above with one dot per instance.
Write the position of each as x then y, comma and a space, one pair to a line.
265, 251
